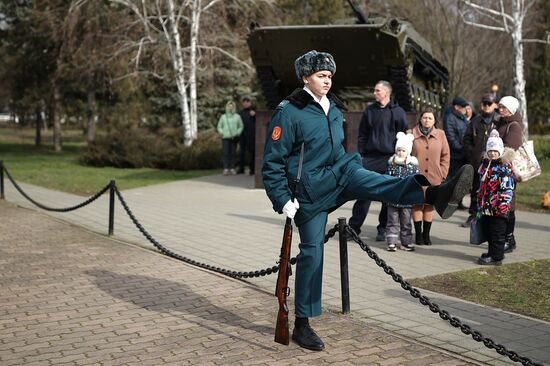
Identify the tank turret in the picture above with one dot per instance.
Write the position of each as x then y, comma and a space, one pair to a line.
376, 49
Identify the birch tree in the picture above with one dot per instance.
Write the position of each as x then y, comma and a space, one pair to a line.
161, 22
510, 21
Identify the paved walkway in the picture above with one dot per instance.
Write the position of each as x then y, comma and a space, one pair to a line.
224, 222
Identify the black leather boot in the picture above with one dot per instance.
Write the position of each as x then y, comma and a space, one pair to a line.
446, 196
426, 233
305, 336
418, 239
510, 243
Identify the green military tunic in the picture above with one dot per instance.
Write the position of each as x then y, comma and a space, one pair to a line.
330, 177
326, 167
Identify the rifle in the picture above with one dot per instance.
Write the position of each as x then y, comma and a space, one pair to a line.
282, 290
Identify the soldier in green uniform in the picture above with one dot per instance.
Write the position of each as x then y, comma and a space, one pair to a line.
312, 117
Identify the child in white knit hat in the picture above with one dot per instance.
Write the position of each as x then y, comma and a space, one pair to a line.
401, 164
494, 197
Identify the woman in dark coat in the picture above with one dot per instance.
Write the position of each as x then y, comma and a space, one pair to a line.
510, 129
311, 120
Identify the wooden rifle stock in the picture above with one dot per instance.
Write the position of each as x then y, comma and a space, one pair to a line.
282, 290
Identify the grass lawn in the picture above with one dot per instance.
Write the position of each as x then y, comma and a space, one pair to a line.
529, 194
522, 288
62, 171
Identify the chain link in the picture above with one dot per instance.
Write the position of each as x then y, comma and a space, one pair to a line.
66, 209
443, 314
414, 292
172, 254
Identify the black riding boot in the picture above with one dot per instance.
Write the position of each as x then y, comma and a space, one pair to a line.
305, 336
426, 233
418, 240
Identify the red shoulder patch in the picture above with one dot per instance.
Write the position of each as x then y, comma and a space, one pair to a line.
276, 134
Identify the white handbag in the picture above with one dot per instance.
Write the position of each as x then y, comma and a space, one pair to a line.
525, 164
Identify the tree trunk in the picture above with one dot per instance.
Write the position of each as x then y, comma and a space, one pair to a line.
194, 36
92, 114
177, 62
38, 136
519, 76
56, 116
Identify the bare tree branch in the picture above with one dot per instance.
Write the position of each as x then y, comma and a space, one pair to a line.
209, 5
488, 10
137, 73
503, 17
532, 40
501, 29
224, 52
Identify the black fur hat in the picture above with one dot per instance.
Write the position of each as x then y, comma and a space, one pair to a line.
313, 61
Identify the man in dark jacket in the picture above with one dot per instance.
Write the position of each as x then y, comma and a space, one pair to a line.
455, 124
474, 142
380, 123
247, 141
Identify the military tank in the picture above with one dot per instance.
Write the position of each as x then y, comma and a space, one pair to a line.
375, 48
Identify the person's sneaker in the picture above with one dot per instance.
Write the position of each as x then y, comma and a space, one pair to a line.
446, 196
488, 261
392, 248
381, 236
225, 172
407, 247
307, 338
233, 172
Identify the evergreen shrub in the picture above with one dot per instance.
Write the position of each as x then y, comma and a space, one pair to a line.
539, 129
135, 147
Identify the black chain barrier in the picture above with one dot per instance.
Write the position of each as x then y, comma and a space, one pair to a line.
443, 314
44, 207
172, 254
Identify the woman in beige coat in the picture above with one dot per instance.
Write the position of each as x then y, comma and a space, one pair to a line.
431, 148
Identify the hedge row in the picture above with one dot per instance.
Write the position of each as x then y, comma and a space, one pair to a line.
135, 147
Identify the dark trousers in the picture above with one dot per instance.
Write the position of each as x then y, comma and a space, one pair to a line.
495, 232
247, 154
228, 153
472, 210
361, 208
511, 224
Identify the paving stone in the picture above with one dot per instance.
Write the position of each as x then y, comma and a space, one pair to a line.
138, 304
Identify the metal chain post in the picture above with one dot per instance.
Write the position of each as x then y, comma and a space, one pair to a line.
2, 179
344, 276
112, 186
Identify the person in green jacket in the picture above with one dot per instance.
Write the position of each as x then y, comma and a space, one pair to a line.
311, 118
230, 126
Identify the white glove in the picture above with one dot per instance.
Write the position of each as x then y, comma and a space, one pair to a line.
290, 208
